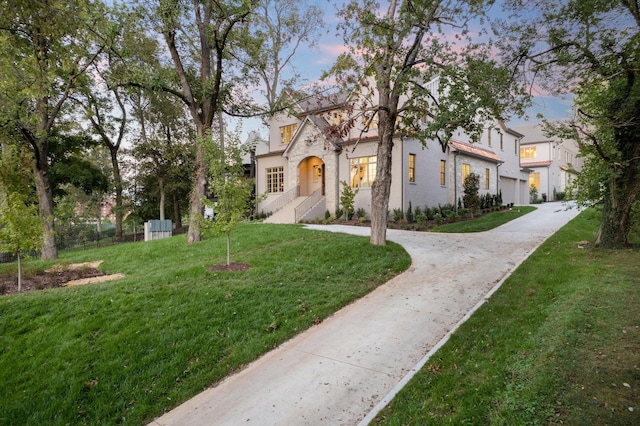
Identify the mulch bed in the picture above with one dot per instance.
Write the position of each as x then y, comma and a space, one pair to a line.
232, 267
44, 280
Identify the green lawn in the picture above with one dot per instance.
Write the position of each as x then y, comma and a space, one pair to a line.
558, 343
485, 222
126, 351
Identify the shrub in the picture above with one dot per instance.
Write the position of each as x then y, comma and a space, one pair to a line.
347, 199
327, 214
409, 215
421, 219
533, 194
398, 215
429, 213
544, 197
438, 218
471, 187
339, 213
361, 213
418, 212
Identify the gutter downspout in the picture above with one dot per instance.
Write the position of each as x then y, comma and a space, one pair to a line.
455, 181
498, 177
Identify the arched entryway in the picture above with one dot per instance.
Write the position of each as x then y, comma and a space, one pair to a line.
311, 176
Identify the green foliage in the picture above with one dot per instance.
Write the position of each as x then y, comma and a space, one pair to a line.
410, 216
347, 199
398, 215
361, 213
533, 194
229, 186
471, 199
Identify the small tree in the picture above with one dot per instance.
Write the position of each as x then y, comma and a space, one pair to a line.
347, 200
20, 228
471, 199
229, 186
533, 194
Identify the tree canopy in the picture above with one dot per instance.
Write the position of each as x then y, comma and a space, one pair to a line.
588, 48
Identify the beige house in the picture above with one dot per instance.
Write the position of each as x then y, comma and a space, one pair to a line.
302, 167
553, 162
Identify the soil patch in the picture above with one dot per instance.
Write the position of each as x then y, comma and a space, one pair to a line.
232, 267
57, 276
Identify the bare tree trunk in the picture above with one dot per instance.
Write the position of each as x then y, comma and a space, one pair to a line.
176, 211
117, 179
162, 197
197, 193
381, 190
45, 204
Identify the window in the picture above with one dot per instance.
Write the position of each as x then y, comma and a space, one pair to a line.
362, 171
275, 179
489, 136
528, 152
412, 168
534, 179
466, 171
337, 118
501, 142
286, 133
487, 178
443, 172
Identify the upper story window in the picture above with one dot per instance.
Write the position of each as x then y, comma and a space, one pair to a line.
528, 152
286, 133
487, 178
501, 142
362, 171
337, 117
443, 172
489, 136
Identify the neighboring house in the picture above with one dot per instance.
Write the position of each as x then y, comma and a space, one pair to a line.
553, 162
306, 161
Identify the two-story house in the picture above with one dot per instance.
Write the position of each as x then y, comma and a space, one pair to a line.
553, 162
302, 169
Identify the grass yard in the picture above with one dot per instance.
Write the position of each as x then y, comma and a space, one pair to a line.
124, 352
485, 222
558, 343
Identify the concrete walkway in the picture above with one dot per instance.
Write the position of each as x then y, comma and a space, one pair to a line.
343, 371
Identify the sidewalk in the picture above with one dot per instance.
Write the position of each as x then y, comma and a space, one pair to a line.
343, 371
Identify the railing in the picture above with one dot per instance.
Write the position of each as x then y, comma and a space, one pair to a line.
307, 204
282, 201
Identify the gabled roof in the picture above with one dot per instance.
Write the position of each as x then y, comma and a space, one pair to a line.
319, 123
474, 151
532, 133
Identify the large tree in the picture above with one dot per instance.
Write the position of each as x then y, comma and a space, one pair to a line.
198, 36
590, 48
393, 56
278, 31
43, 54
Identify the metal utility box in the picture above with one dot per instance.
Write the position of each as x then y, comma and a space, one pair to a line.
157, 229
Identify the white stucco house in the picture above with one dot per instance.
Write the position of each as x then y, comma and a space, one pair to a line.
301, 169
553, 162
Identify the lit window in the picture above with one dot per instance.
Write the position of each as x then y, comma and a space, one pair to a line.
487, 178
362, 171
534, 179
528, 152
337, 118
286, 133
412, 167
466, 171
443, 172
275, 179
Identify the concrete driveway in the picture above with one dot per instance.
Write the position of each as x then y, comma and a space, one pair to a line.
343, 371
